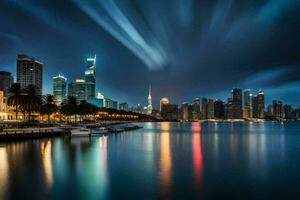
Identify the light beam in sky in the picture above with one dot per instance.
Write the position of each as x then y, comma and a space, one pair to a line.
120, 27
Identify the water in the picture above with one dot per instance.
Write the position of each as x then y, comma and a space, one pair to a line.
162, 160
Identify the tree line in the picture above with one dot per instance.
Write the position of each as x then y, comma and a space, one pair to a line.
28, 101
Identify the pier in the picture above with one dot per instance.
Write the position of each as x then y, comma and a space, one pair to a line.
31, 133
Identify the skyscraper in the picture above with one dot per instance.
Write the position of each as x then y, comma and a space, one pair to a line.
77, 89
261, 104
255, 106
196, 109
149, 107
6, 80
247, 105
219, 109
278, 109
59, 88
184, 111
169, 112
210, 109
236, 96
123, 106
90, 78
162, 102
203, 108
29, 72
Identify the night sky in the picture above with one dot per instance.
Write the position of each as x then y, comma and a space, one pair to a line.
184, 48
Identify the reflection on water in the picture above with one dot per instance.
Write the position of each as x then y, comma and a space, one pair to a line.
47, 162
4, 172
165, 164
163, 160
197, 153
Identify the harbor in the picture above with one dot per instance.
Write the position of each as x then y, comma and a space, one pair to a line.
12, 134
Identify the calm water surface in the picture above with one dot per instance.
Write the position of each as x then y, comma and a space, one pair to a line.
160, 161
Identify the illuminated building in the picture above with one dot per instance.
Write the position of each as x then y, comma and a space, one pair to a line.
210, 109
169, 112
98, 101
278, 109
77, 90
59, 88
109, 103
90, 79
6, 80
247, 106
123, 106
203, 108
219, 109
6, 112
261, 104
255, 106
184, 112
162, 102
196, 109
236, 96
149, 107
29, 72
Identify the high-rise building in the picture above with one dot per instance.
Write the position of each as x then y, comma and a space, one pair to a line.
90, 79
236, 95
210, 109
278, 109
162, 102
77, 89
123, 106
219, 109
288, 111
59, 88
29, 72
203, 108
6, 80
109, 103
184, 111
149, 107
196, 109
169, 112
247, 106
261, 104
228, 109
255, 106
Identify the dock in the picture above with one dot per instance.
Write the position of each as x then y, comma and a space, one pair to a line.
31, 133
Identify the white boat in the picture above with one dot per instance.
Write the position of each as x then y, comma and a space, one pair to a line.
81, 132
98, 131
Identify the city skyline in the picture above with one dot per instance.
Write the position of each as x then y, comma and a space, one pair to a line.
228, 45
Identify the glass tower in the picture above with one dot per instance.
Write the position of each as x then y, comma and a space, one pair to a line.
90, 79
59, 88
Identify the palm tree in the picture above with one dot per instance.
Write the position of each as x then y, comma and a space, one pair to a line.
69, 107
15, 97
33, 100
48, 107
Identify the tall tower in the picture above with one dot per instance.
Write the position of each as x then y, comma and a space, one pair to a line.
90, 78
29, 72
59, 88
149, 107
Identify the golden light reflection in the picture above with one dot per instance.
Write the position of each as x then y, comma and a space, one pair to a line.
197, 153
165, 164
46, 148
4, 172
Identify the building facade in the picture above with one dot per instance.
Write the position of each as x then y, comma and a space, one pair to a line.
77, 90
210, 109
59, 89
29, 72
149, 107
123, 106
90, 79
6, 80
